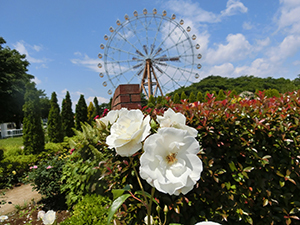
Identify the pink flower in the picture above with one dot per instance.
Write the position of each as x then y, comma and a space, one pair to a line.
49, 167
30, 167
72, 150
34, 167
104, 112
96, 117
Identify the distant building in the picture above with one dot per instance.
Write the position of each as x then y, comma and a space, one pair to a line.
9, 130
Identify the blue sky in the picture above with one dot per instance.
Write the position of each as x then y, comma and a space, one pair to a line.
237, 37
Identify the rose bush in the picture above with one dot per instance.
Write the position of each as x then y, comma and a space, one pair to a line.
169, 161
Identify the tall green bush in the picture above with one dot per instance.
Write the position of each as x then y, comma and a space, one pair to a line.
199, 96
54, 125
90, 112
176, 98
67, 116
33, 134
80, 112
183, 96
192, 97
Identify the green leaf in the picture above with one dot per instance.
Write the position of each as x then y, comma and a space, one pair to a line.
115, 205
147, 195
232, 166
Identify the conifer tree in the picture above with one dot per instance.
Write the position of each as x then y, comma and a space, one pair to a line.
97, 110
221, 96
80, 113
54, 121
183, 95
192, 97
67, 116
90, 112
176, 98
33, 134
233, 93
199, 96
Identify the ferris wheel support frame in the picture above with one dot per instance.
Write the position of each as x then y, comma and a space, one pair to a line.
148, 71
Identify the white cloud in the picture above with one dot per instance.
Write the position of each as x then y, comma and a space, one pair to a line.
237, 48
36, 80
100, 99
225, 69
233, 7
247, 26
289, 16
296, 63
287, 48
88, 62
23, 47
193, 10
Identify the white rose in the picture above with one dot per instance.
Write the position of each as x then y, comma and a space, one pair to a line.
40, 214
176, 120
170, 162
128, 132
49, 217
111, 117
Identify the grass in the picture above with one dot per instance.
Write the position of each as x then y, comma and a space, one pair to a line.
11, 143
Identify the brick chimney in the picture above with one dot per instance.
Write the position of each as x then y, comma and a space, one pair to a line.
126, 96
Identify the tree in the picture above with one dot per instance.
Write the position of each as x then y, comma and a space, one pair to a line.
67, 116
199, 96
80, 112
33, 134
192, 97
183, 95
233, 93
176, 98
13, 80
97, 110
221, 96
54, 121
90, 111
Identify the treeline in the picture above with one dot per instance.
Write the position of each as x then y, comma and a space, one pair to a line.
213, 84
60, 124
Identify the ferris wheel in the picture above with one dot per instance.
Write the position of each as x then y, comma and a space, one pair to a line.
152, 50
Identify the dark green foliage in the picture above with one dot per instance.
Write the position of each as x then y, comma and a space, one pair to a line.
46, 177
45, 105
183, 96
80, 176
151, 102
97, 110
240, 84
199, 96
33, 134
192, 97
54, 127
67, 116
80, 113
90, 111
221, 96
91, 210
13, 79
176, 98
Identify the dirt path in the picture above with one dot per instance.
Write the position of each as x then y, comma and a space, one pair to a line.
18, 196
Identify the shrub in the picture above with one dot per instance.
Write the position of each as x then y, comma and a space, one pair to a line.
80, 173
91, 210
46, 176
